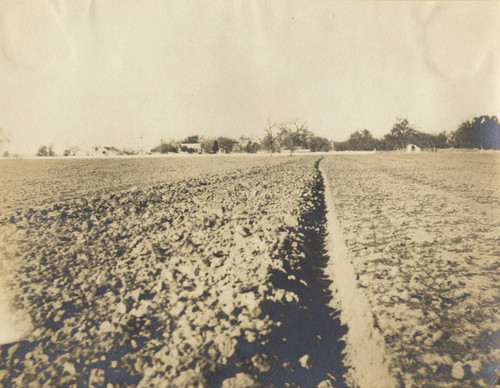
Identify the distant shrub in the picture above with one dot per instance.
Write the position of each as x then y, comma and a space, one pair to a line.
46, 151
189, 150
71, 151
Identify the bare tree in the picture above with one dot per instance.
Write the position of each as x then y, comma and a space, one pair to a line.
293, 135
270, 140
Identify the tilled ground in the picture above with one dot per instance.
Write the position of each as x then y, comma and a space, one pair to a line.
422, 234
205, 281
26, 183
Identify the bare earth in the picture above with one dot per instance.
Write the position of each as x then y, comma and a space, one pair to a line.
345, 270
422, 235
199, 281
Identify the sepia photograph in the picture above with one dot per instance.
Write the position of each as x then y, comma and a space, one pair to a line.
243, 194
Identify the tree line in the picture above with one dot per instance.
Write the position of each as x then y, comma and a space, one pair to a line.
401, 135
208, 145
482, 132
289, 136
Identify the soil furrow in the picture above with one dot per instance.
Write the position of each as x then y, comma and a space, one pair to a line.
305, 347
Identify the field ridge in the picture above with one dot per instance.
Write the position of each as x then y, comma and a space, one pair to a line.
364, 343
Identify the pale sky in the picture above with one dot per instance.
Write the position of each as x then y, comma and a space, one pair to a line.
128, 73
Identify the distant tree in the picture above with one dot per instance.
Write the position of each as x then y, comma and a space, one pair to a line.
71, 151
226, 144
46, 150
246, 144
319, 144
482, 132
487, 130
165, 148
215, 146
441, 140
429, 140
252, 147
403, 132
207, 145
389, 142
192, 139
293, 135
364, 141
270, 140
358, 141
463, 136
189, 150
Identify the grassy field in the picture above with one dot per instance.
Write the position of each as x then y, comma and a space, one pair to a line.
224, 271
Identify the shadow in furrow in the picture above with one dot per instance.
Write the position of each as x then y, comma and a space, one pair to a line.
306, 349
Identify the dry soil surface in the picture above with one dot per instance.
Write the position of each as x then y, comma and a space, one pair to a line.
422, 235
214, 280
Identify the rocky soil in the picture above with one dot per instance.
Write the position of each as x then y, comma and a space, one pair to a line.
211, 280
422, 235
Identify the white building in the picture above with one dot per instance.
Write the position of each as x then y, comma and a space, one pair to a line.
412, 148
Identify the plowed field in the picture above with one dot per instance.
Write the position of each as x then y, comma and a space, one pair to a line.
194, 281
345, 270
